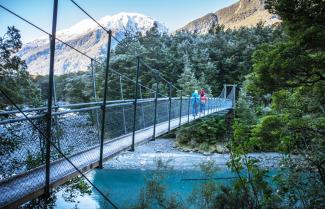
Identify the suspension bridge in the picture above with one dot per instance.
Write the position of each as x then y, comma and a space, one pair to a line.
61, 141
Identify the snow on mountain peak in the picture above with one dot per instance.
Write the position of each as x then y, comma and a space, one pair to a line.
88, 37
81, 27
115, 23
132, 21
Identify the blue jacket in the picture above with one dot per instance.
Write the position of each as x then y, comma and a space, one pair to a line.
195, 99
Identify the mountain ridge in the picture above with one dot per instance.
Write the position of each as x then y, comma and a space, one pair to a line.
244, 13
87, 37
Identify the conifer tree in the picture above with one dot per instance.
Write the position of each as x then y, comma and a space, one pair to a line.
187, 82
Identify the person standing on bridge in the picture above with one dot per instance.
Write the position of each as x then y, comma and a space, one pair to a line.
203, 101
195, 102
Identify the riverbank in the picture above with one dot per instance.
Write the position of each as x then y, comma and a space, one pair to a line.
146, 156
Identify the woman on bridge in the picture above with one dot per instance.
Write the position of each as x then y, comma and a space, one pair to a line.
203, 101
195, 102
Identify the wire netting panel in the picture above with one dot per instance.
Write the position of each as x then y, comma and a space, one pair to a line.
162, 110
119, 120
175, 108
185, 106
74, 132
148, 109
21, 147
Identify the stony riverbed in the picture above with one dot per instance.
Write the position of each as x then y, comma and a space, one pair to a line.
146, 156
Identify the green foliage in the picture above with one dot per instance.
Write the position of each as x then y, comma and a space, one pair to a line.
74, 188
8, 145
188, 61
188, 82
154, 195
33, 160
14, 79
251, 187
249, 190
299, 186
246, 119
288, 81
203, 134
268, 133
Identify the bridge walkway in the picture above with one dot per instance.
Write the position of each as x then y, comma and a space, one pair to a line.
22, 188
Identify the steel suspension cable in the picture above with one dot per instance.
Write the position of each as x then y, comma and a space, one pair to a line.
54, 145
118, 41
73, 48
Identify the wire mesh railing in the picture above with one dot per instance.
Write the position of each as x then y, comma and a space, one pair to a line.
44, 145
75, 131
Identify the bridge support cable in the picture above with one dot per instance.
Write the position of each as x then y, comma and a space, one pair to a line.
102, 136
162, 121
135, 104
118, 41
71, 47
56, 148
105, 104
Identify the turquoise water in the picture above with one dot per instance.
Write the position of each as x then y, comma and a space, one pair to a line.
124, 186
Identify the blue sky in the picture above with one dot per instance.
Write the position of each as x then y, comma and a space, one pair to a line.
172, 13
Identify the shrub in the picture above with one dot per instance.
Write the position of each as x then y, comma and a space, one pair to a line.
267, 134
203, 133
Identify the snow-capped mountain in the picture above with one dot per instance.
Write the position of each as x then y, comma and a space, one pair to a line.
87, 37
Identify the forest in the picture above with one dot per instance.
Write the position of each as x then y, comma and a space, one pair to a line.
280, 108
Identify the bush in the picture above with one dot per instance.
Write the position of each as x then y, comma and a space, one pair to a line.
202, 134
267, 134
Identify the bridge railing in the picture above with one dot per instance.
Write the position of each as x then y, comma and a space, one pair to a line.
74, 129
38, 137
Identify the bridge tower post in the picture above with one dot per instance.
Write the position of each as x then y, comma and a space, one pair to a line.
156, 104
104, 100
49, 102
208, 107
95, 95
180, 109
135, 103
218, 104
123, 111
234, 97
170, 105
189, 109
142, 111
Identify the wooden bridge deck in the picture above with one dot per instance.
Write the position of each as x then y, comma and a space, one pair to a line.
22, 188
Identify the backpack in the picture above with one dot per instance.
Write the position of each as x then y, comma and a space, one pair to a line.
203, 99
